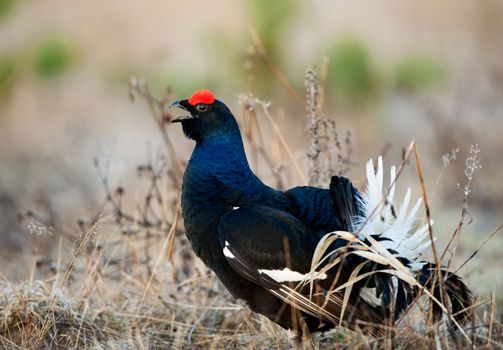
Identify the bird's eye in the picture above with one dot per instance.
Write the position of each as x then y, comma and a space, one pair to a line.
201, 107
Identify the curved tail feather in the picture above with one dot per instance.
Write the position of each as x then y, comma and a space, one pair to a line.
459, 295
379, 223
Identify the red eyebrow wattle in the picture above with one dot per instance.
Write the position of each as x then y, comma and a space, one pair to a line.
202, 96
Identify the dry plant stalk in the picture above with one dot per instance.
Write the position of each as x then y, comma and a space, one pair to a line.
276, 72
328, 156
250, 101
313, 116
254, 136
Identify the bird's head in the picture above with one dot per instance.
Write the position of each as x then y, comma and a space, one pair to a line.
205, 117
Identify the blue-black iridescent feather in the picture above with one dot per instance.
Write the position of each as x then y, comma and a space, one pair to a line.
260, 241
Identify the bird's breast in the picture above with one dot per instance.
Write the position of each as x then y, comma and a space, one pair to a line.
201, 211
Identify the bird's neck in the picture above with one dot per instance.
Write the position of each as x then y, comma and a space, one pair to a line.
220, 151
223, 160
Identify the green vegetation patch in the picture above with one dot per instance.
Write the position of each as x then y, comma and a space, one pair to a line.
418, 73
5, 7
7, 69
53, 57
351, 71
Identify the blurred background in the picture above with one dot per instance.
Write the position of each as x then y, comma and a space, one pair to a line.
392, 72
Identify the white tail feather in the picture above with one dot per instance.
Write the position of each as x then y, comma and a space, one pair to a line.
382, 218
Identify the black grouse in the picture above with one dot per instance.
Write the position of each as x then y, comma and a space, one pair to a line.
307, 258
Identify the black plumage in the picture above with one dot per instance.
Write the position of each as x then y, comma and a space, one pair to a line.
260, 242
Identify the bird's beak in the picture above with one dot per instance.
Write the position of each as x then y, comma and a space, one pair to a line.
182, 104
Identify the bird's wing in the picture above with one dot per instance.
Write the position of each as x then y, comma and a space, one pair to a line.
274, 249
267, 240
327, 210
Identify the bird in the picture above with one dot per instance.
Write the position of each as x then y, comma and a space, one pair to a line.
309, 259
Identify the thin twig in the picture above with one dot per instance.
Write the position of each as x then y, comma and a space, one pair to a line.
265, 108
278, 74
491, 235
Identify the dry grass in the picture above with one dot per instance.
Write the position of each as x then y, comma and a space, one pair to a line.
131, 280
121, 292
